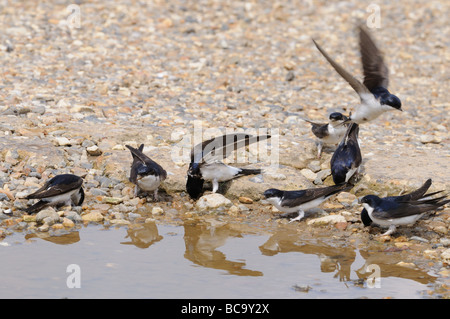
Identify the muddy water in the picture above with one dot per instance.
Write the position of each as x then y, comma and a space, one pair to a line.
197, 259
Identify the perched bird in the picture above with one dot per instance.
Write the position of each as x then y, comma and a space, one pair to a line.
329, 133
145, 173
206, 164
373, 92
300, 200
346, 160
392, 213
64, 189
418, 194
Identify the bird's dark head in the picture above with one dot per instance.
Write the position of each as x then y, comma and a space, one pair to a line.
370, 200
272, 193
144, 170
194, 170
194, 186
337, 117
365, 218
395, 102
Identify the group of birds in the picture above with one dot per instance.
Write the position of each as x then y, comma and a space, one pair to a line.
207, 159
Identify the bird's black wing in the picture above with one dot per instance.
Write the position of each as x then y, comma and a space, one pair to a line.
347, 155
394, 209
58, 185
296, 198
222, 146
375, 70
139, 158
320, 130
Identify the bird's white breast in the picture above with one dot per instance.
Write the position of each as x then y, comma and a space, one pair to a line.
218, 171
335, 134
149, 183
61, 198
391, 221
369, 109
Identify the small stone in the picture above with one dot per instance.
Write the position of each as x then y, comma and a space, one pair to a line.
245, 200
290, 76
345, 198
112, 200
341, 225
68, 223
327, 220
29, 218
119, 222
62, 141
309, 174
73, 216
426, 138
445, 241
48, 216
314, 166
405, 264
157, 211
211, 202
93, 150
93, 217
445, 255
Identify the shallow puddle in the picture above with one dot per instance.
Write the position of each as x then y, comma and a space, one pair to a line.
198, 260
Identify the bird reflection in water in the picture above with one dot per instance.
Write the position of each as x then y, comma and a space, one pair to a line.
143, 235
202, 240
348, 263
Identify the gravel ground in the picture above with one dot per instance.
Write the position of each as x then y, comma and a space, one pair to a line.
135, 72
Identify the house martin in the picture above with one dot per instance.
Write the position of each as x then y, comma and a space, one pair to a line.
329, 133
206, 161
298, 201
64, 189
374, 95
346, 160
392, 213
418, 194
145, 173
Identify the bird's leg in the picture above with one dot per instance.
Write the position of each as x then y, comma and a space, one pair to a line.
215, 185
391, 230
301, 214
136, 191
155, 196
319, 150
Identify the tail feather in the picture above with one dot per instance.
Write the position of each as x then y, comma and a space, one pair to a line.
36, 207
250, 171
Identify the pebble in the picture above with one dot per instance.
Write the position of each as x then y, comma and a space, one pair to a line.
112, 200
93, 217
68, 222
47, 216
211, 202
327, 220
406, 264
62, 141
73, 216
245, 200
94, 150
445, 256
156, 210
309, 174
425, 139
